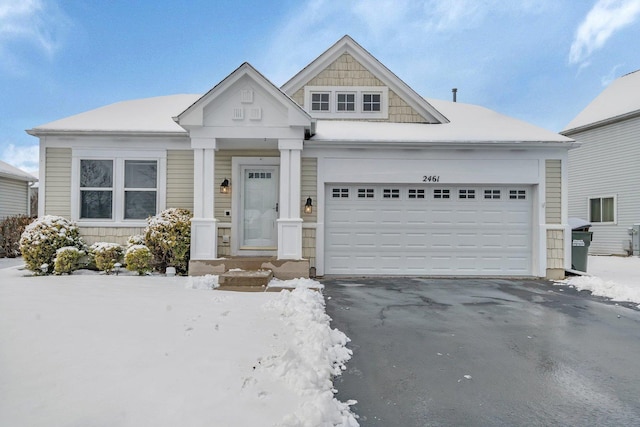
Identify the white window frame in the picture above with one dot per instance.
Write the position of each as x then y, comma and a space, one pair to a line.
321, 102
615, 209
118, 157
359, 91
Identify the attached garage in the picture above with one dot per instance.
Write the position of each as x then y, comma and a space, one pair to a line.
428, 229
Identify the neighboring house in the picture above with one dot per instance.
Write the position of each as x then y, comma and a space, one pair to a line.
14, 191
394, 183
604, 173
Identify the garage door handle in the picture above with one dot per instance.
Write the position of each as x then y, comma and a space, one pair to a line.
276, 207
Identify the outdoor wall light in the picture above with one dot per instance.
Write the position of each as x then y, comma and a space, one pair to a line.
308, 207
224, 187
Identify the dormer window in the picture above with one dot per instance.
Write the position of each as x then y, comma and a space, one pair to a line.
371, 102
347, 102
320, 101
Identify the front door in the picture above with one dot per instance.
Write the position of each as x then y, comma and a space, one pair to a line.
259, 208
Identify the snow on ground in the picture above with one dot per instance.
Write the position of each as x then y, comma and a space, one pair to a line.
136, 351
612, 277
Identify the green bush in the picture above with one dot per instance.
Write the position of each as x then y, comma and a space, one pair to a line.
168, 237
11, 228
105, 255
43, 237
138, 258
67, 260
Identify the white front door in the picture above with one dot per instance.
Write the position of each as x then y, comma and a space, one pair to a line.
259, 208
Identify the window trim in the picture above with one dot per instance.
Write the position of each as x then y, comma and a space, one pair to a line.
615, 209
118, 198
359, 92
321, 102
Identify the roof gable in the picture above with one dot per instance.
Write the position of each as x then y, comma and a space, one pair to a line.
380, 73
620, 100
245, 97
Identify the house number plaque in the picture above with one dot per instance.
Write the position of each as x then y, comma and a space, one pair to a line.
431, 178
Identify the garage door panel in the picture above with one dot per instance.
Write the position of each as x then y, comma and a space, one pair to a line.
428, 236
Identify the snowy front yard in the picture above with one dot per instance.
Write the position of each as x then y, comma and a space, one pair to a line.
147, 351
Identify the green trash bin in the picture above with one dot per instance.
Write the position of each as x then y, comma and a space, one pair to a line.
580, 242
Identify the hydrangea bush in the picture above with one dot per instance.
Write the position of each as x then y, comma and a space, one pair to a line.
168, 237
43, 237
67, 260
106, 255
138, 258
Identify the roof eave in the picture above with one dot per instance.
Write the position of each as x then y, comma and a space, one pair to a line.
441, 144
89, 132
600, 123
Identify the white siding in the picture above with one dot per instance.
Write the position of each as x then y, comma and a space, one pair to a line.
607, 163
13, 197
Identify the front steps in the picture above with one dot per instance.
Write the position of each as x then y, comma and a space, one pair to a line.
249, 274
245, 281
283, 269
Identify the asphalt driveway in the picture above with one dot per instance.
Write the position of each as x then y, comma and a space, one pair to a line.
485, 352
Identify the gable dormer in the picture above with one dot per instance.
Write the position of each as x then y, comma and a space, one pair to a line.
347, 83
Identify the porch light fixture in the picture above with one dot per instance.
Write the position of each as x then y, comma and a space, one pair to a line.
308, 207
224, 187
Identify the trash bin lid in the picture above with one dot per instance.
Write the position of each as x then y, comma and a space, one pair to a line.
579, 224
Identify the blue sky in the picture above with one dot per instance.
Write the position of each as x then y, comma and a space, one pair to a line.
541, 61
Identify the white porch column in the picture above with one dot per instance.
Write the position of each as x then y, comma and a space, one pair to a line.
204, 226
290, 223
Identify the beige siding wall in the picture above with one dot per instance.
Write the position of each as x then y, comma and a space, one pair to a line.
58, 182
118, 235
553, 210
13, 197
180, 179
555, 254
346, 71
309, 187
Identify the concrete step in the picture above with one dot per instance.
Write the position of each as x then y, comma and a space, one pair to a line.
245, 280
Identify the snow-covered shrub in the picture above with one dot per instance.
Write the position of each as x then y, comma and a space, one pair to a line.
67, 260
106, 255
43, 237
138, 258
136, 239
11, 229
168, 236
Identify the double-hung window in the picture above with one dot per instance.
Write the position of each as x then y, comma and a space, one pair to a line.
117, 189
602, 209
140, 188
96, 189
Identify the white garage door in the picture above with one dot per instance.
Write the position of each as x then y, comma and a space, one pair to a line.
420, 230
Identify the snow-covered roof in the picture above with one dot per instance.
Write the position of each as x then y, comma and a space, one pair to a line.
8, 171
152, 115
620, 98
468, 124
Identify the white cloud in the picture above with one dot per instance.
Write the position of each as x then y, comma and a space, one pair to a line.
611, 76
22, 157
605, 18
39, 23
